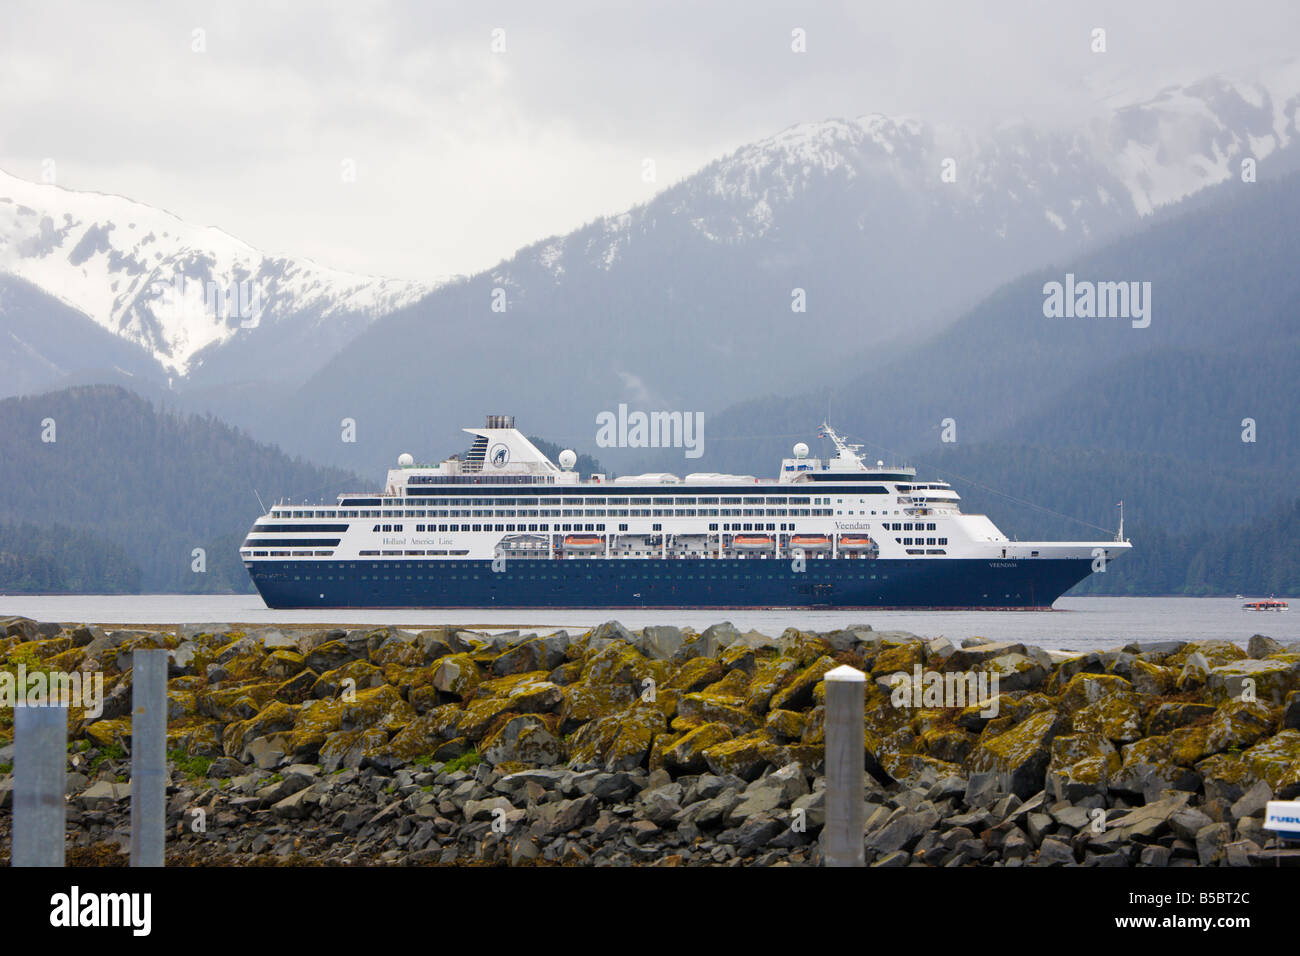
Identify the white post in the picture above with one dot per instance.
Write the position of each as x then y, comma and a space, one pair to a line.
845, 806
40, 778
148, 756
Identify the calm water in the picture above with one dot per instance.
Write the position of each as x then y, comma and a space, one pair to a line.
1075, 624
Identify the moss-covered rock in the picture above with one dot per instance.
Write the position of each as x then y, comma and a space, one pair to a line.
275, 717
1226, 777
1023, 752
457, 675
297, 688
380, 707
742, 756
620, 741
585, 702
109, 733
951, 745
530, 693
908, 768
1085, 689
1175, 713
695, 674
1016, 672
903, 657
1189, 745
803, 647
1267, 680
784, 725
356, 675
617, 664
768, 677
348, 748
1239, 723
1216, 653
1117, 717
1149, 767
1152, 679
314, 721
704, 708
1276, 760
686, 754
280, 665
798, 693
478, 715
525, 739
401, 649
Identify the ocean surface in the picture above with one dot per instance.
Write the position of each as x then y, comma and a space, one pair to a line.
1084, 623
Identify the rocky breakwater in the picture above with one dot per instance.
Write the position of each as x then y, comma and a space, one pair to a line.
669, 747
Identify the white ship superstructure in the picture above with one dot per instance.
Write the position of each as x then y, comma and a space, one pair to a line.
505, 508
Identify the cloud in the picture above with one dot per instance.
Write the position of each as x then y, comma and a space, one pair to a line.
463, 155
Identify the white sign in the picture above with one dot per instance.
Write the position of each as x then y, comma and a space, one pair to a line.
1284, 817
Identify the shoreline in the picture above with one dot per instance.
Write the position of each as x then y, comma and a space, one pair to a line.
460, 746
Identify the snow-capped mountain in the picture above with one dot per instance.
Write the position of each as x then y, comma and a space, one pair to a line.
1134, 157
802, 258
179, 291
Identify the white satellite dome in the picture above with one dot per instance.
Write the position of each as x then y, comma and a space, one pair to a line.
801, 450
568, 458
405, 460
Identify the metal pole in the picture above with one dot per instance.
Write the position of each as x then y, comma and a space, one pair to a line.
148, 756
845, 807
40, 778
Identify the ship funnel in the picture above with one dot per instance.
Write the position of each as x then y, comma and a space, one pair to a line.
500, 421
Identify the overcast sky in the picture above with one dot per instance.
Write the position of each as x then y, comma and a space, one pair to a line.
463, 154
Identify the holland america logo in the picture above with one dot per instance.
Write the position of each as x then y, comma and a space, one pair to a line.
500, 455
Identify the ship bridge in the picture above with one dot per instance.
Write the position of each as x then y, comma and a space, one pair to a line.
845, 466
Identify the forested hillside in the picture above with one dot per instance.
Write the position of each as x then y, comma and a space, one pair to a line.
124, 494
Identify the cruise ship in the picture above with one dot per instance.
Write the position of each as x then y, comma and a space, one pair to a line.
504, 526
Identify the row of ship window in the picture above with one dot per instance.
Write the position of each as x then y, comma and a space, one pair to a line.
601, 513
405, 503
595, 526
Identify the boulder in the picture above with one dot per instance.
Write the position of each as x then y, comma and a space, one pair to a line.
1277, 761
330, 655
1237, 724
457, 675
1226, 778
1149, 768
1014, 671
1175, 713
1081, 765
798, 693
1211, 842
1266, 680
769, 676
1023, 752
659, 643
741, 756
523, 739
1259, 647
686, 755
533, 654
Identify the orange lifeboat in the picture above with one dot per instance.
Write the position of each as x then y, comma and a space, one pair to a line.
752, 542
583, 542
852, 542
810, 542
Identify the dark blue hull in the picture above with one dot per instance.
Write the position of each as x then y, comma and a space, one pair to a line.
654, 583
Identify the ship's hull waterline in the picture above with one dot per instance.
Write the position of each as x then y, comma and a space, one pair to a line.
683, 583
